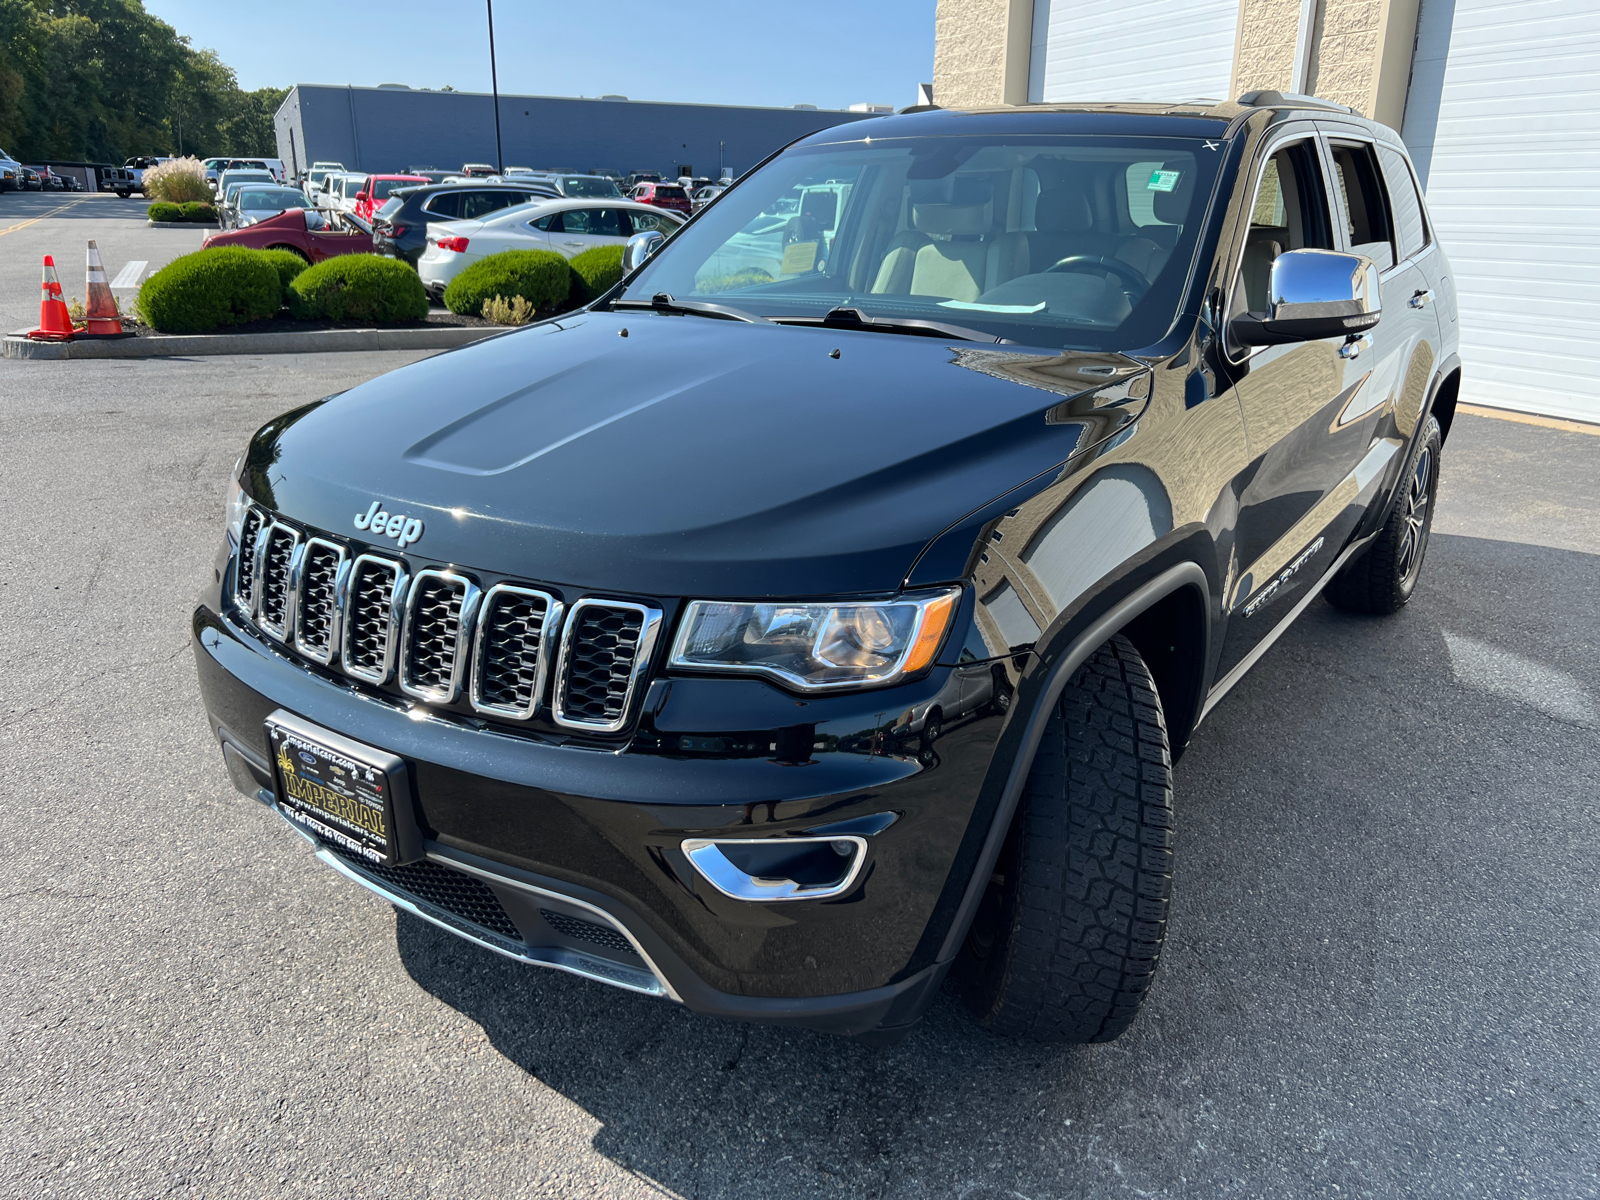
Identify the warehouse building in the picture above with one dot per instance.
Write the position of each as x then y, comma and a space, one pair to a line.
1495, 100
389, 128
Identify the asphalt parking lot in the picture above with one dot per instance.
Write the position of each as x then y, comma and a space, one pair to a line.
33, 224
1383, 975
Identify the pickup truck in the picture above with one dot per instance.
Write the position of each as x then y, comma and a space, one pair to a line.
119, 180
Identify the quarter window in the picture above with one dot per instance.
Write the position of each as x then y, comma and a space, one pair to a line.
1366, 206
446, 204
1410, 226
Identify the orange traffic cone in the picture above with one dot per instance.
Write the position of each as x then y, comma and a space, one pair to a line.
102, 308
55, 325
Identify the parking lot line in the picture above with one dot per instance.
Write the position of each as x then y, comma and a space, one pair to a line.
42, 216
128, 277
1506, 414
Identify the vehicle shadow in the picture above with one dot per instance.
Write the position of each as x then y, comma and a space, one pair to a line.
1375, 829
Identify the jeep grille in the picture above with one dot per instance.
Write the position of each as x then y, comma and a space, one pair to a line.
437, 638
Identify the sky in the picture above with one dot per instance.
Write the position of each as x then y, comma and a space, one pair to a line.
831, 53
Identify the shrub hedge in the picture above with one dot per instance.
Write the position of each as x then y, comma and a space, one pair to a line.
541, 277
288, 264
227, 285
599, 269
359, 287
176, 181
192, 211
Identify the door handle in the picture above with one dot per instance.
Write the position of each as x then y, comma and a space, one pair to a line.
572, 243
1354, 347
1420, 298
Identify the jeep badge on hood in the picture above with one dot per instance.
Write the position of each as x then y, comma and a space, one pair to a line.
403, 529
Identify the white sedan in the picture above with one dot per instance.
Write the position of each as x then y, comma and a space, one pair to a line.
569, 227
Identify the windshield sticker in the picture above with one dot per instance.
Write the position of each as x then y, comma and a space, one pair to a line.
1163, 181
799, 258
973, 306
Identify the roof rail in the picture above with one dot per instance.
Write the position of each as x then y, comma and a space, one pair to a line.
1273, 99
920, 108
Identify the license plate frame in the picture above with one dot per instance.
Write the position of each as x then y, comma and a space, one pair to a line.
346, 793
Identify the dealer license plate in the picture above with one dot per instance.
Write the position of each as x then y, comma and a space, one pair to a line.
348, 794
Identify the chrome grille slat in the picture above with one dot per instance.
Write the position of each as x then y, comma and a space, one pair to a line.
438, 632
318, 602
245, 575
605, 652
372, 610
511, 653
275, 562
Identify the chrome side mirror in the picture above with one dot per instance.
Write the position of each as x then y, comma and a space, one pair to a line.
1314, 294
640, 247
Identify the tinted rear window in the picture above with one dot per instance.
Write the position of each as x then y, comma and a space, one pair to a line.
671, 193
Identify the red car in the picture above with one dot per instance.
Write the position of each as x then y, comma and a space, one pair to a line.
311, 234
662, 195
377, 188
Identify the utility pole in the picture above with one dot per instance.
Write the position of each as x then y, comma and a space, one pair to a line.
494, 84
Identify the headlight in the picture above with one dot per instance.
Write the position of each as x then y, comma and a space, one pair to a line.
237, 504
816, 647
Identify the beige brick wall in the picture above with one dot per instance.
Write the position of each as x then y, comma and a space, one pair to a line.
1361, 52
980, 56
1263, 55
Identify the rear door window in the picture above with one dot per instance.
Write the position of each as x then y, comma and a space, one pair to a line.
445, 204
475, 205
606, 222
1365, 203
1410, 225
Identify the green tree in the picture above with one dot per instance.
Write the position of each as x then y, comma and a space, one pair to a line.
103, 79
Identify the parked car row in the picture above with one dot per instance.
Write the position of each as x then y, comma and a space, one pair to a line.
567, 226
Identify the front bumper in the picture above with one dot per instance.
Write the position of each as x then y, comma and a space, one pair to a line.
594, 836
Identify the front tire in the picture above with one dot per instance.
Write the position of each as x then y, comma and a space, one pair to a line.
1384, 577
1067, 939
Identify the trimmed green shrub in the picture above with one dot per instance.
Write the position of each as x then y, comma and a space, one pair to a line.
541, 277
289, 265
599, 269
198, 210
359, 287
162, 211
226, 285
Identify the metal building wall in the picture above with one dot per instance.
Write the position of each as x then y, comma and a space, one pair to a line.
388, 129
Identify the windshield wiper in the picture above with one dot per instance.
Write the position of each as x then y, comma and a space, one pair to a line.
663, 302
854, 318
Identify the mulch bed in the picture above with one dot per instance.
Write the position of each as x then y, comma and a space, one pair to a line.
286, 324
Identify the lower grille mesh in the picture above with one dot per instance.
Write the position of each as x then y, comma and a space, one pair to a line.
454, 892
601, 649
586, 931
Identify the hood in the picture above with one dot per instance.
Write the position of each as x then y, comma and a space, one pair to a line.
671, 455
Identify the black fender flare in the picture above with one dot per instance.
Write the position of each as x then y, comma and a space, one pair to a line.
1184, 574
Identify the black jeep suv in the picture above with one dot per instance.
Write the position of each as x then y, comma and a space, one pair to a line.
818, 614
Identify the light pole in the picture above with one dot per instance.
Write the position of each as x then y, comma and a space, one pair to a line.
494, 84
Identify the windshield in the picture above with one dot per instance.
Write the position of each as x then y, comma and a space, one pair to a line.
1080, 242
587, 186
277, 198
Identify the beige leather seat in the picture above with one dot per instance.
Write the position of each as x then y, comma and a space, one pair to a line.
949, 252
1065, 226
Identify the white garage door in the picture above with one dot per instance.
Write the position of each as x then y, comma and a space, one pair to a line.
1503, 117
1132, 50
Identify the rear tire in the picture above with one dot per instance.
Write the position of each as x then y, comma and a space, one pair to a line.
1383, 578
1067, 939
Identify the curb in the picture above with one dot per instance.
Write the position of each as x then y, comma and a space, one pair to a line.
207, 225
316, 341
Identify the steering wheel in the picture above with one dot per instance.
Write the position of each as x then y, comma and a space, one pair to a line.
1136, 284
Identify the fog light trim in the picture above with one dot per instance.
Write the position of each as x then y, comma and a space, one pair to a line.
707, 858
